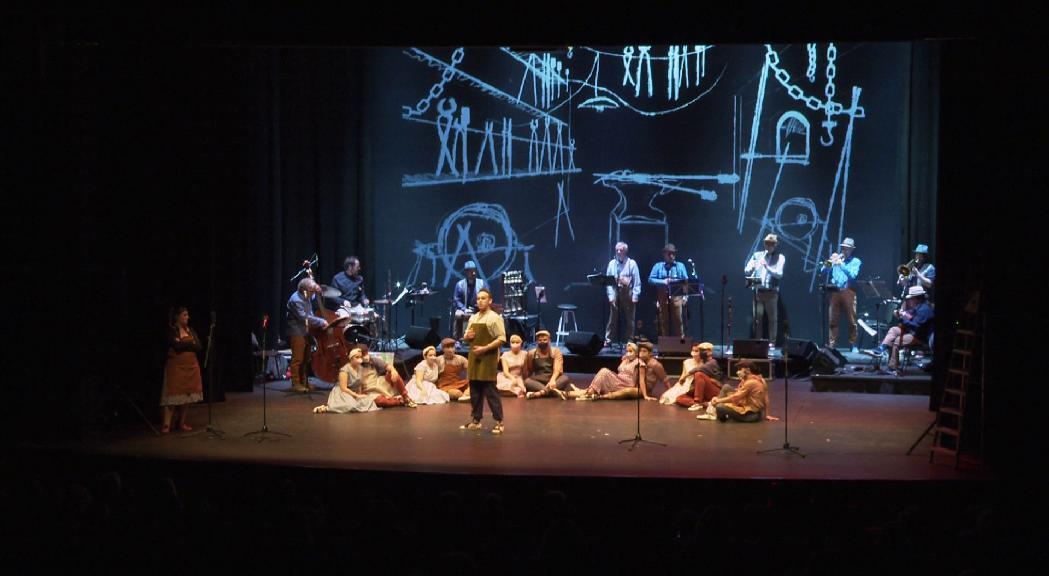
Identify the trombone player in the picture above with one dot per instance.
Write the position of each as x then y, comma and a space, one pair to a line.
917, 272
844, 269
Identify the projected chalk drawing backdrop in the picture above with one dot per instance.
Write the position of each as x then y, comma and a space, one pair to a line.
503, 128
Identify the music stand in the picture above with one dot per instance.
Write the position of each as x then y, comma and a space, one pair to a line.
876, 289
608, 281
686, 288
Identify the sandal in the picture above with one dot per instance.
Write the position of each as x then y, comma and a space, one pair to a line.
165, 429
320, 409
536, 394
471, 425
410, 403
498, 428
559, 393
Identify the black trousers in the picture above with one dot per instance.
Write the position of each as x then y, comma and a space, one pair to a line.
479, 390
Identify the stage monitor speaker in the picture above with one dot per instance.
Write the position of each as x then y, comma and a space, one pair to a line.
799, 349
827, 361
750, 348
674, 346
583, 343
419, 337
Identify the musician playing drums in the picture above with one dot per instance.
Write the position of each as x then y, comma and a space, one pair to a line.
844, 269
465, 297
350, 282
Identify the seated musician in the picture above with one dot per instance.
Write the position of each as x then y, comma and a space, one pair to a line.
545, 368
915, 327
350, 282
465, 296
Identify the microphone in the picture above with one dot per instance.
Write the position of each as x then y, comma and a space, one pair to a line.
265, 321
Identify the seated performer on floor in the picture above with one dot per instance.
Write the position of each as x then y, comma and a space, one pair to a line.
510, 380
423, 387
749, 402
609, 385
452, 367
545, 368
347, 396
700, 379
383, 380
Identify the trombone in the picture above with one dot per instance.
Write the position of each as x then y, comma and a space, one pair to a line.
905, 269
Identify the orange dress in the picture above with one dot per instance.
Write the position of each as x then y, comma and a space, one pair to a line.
182, 382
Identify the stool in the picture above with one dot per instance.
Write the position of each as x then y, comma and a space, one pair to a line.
567, 318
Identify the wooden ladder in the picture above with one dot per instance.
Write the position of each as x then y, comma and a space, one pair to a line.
950, 417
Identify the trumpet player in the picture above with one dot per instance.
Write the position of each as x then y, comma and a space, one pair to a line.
767, 266
844, 269
917, 272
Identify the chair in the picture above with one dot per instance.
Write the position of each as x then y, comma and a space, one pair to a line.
567, 319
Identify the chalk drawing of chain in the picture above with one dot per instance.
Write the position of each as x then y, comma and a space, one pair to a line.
437, 89
811, 73
830, 107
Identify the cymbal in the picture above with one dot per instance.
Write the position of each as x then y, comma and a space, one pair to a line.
425, 292
330, 292
382, 302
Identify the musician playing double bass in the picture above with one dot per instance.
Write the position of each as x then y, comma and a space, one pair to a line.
664, 275
300, 318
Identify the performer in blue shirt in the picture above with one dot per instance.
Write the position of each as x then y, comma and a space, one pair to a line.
844, 269
922, 272
915, 327
663, 275
350, 282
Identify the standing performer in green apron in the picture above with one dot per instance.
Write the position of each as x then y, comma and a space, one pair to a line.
486, 334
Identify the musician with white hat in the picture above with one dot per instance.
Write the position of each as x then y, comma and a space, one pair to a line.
844, 269
915, 327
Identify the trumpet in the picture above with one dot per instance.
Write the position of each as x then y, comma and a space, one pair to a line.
835, 258
905, 269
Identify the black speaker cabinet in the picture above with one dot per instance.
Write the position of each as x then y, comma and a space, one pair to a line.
799, 349
827, 361
583, 343
419, 337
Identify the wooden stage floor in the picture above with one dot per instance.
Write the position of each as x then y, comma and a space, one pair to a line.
851, 436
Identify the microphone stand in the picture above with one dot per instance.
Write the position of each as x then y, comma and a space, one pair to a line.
786, 410
637, 439
724, 282
265, 433
211, 431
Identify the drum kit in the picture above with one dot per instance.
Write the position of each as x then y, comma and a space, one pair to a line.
370, 324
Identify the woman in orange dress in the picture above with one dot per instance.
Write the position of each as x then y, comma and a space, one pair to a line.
182, 383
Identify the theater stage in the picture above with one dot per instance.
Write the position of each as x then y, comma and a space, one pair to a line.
858, 436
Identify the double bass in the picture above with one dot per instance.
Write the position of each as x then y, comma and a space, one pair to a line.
332, 351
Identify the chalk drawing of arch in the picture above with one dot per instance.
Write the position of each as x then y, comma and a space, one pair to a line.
792, 126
